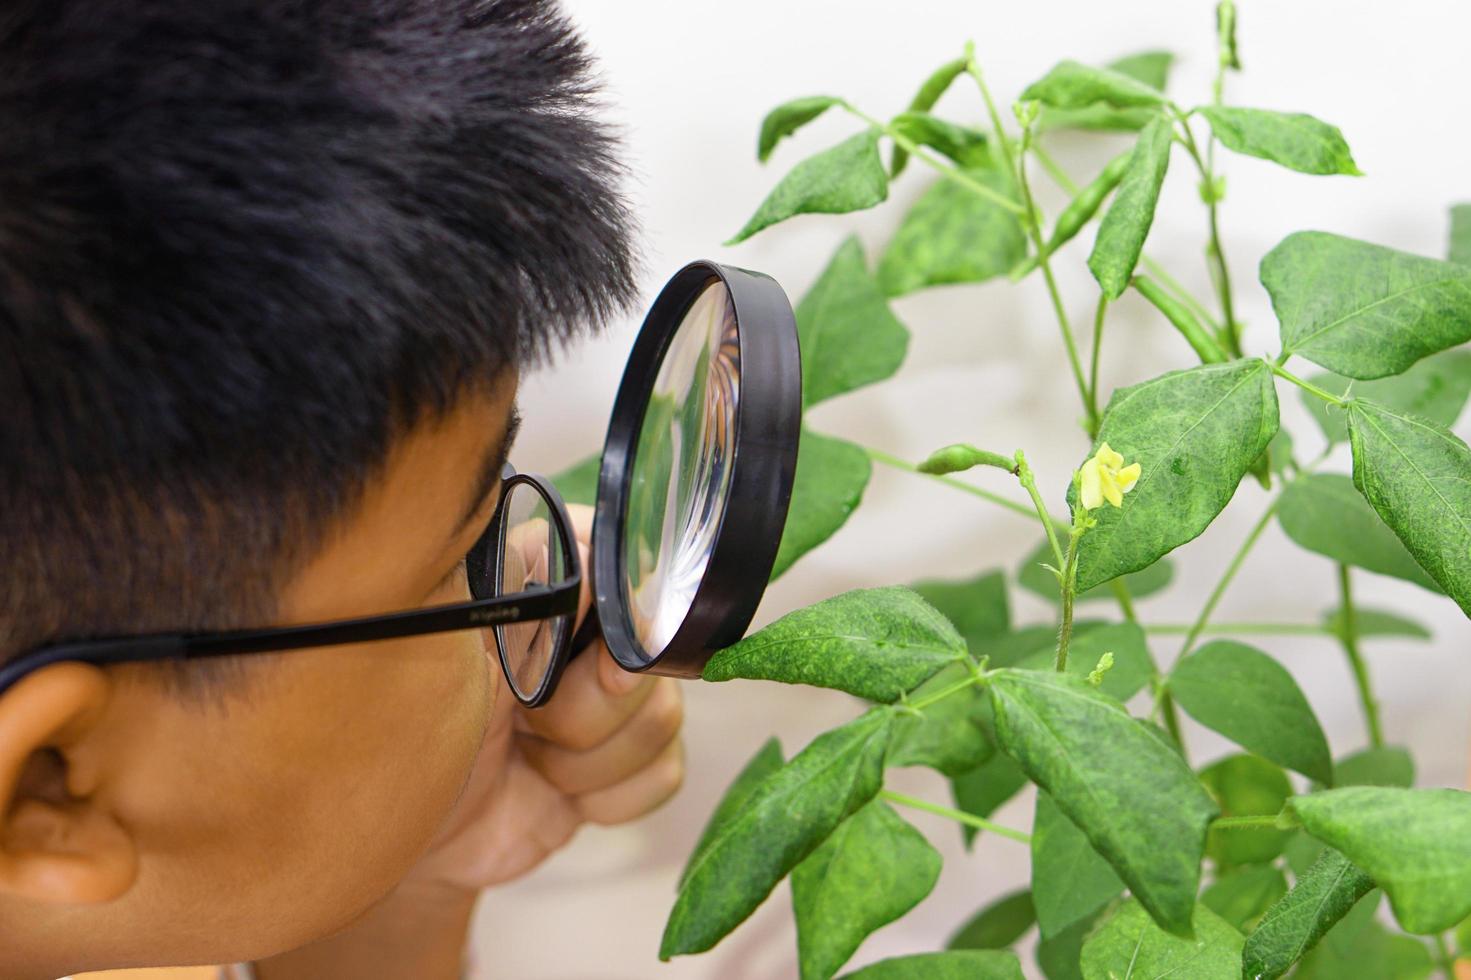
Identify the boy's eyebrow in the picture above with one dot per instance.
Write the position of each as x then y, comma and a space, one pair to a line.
490, 470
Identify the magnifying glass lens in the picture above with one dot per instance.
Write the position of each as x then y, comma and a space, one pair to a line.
681, 473
533, 553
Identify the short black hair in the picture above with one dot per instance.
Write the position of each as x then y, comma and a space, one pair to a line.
244, 244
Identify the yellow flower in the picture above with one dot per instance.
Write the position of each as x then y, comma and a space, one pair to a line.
1103, 479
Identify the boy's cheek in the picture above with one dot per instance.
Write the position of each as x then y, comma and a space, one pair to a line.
340, 765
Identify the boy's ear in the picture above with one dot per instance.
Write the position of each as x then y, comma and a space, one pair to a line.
58, 844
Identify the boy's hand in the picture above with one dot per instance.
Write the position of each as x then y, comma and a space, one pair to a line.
605, 749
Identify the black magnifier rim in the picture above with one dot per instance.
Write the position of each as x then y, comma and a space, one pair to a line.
763, 467
562, 645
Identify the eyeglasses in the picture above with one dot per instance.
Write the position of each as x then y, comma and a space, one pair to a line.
525, 575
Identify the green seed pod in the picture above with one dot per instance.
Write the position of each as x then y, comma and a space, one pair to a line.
1190, 328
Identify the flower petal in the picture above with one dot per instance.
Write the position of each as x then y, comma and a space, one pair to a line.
1109, 458
1092, 489
1111, 491
1128, 476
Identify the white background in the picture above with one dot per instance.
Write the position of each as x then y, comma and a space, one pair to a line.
688, 82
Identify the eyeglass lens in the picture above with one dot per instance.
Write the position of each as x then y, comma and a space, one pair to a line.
533, 554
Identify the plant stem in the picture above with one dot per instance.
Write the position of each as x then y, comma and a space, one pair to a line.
1028, 481
1055, 171
1231, 332
1264, 629
1069, 590
1444, 959
1231, 570
1350, 640
879, 456
1033, 224
973, 69
1308, 386
1126, 601
959, 816
1172, 719
953, 173
1098, 318
1244, 823
944, 693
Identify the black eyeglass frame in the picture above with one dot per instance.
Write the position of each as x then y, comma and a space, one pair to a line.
478, 613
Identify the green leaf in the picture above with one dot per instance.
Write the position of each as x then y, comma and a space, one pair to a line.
982, 790
924, 100
1387, 766
789, 117
873, 869
1126, 224
1194, 433
998, 925
1059, 956
977, 607
1133, 796
1435, 388
831, 477
1130, 945
952, 235
767, 760
849, 336
578, 483
1071, 85
960, 964
1031, 576
783, 820
1244, 895
1070, 881
967, 147
1322, 896
1411, 841
1251, 699
1364, 310
847, 177
1246, 786
1150, 67
1375, 622
1132, 667
1323, 513
1301, 851
1369, 950
1459, 249
875, 643
1294, 140
1417, 477
949, 735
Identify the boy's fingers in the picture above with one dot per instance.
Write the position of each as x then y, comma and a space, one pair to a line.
634, 746
583, 714
646, 790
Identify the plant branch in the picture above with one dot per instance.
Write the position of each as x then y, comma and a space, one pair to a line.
1307, 386
1098, 318
942, 694
1246, 823
1231, 330
1231, 570
1126, 601
953, 173
1028, 481
1069, 593
959, 816
1350, 639
879, 456
1264, 629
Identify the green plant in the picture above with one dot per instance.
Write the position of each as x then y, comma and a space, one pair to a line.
1123, 823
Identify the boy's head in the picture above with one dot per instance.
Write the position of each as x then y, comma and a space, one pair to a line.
268, 272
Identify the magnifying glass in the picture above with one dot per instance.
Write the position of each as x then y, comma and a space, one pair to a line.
692, 496
697, 470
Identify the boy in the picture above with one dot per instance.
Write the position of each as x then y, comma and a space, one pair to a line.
269, 270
